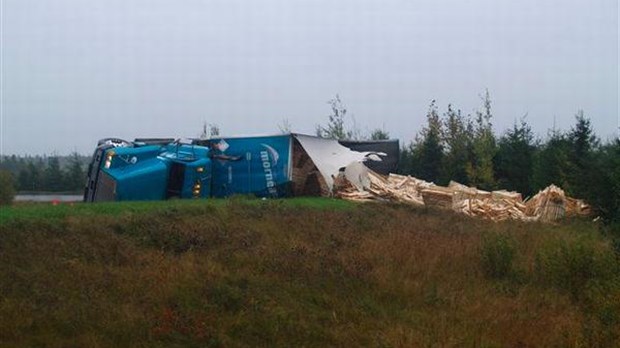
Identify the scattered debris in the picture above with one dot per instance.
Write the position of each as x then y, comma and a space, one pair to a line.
547, 205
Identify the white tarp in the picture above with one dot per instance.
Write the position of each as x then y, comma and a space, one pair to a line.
329, 156
357, 174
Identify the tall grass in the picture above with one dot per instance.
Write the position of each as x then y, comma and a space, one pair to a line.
574, 266
497, 254
254, 273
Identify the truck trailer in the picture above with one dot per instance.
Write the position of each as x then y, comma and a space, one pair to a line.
273, 166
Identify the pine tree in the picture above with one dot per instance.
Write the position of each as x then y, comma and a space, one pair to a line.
480, 169
35, 176
53, 176
551, 163
430, 147
583, 142
406, 160
379, 134
604, 183
457, 137
74, 176
514, 159
23, 180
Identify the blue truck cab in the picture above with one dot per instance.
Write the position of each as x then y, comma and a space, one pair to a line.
122, 171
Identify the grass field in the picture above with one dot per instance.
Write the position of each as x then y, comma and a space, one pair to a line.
300, 272
47, 211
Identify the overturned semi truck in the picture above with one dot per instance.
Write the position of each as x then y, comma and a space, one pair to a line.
264, 166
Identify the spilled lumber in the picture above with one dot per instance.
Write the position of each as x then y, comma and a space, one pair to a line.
547, 205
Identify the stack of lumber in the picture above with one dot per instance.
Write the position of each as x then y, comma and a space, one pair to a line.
552, 204
497, 205
406, 188
493, 208
438, 196
470, 192
549, 204
398, 188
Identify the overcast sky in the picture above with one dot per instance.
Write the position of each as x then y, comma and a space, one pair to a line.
74, 71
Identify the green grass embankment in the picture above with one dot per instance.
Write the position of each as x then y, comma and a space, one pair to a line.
303, 272
62, 210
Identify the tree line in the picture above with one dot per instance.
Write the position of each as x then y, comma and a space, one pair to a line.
46, 173
465, 148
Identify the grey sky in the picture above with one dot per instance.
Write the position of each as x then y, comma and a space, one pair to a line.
74, 71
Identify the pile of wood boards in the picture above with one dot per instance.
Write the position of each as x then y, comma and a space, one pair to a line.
549, 204
552, 204
398, 188
496, 208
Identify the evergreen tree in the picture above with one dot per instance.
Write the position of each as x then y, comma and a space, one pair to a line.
24, 181
551, 163
430, 147
457, 137
379, 134
514, 159
75, 176
406, 161
11, 163
34, 176
480, 169
583, 142
53, 179
604, 184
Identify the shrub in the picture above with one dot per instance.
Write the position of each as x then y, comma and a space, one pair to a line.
575, 265
7, 188
497, 255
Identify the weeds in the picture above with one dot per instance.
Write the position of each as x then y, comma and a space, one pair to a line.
299, 273
575, 265
497, 255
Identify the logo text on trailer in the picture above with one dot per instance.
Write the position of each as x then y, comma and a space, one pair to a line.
268, 164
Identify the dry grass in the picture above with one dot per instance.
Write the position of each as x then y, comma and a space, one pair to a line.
238, 274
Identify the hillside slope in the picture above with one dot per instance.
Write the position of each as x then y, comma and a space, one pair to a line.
300, 273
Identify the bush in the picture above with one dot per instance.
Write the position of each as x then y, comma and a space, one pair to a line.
574, 266
497, 255
7, 188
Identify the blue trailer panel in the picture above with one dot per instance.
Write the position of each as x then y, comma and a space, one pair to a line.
257, 165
